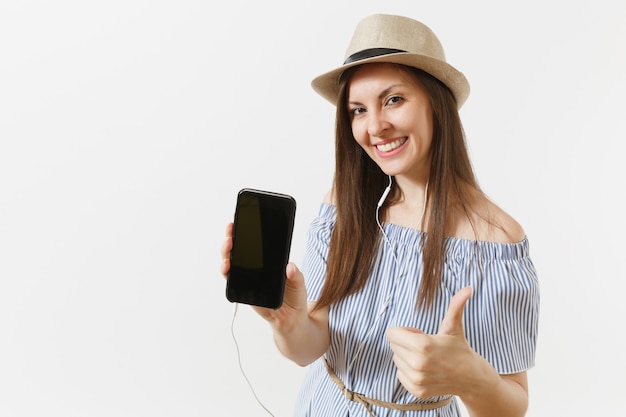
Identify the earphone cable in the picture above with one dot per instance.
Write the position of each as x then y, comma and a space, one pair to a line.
243, 372
395, 257
382, 310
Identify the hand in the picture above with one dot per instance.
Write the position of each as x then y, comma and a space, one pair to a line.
433, 365
295, 297
227, 246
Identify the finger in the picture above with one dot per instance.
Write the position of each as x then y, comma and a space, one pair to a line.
295, 281
296, 295
396, 334
291, 271
452, 323
225, 267
227, 246
404, 338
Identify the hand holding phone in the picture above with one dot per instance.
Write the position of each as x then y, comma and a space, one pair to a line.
262, 232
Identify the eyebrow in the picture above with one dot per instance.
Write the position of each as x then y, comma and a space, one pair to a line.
381, 95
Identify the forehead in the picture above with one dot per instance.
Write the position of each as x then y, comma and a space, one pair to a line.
379, 76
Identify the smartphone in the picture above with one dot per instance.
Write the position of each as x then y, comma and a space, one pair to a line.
262, 232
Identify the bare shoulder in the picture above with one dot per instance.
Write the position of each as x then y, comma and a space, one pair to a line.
329, 198
487, 222
501, 226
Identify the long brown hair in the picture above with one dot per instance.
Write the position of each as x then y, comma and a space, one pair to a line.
359, 182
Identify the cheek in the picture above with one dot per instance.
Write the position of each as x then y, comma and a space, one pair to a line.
359, 134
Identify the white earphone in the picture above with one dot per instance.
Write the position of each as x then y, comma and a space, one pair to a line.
389, 298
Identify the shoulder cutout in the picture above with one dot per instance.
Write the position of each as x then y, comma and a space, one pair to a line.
488, 223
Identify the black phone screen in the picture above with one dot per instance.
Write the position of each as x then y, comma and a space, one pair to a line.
262, 233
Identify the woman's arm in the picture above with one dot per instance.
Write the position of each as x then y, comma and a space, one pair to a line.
444, 363
303, 340
300, 334
496, 395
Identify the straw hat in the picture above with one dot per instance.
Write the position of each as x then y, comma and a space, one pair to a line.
400, 40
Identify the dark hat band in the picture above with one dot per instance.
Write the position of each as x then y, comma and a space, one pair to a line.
370, 53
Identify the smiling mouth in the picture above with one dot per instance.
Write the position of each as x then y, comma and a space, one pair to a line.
390, 146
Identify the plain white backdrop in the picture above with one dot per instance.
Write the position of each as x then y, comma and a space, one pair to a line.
127, 128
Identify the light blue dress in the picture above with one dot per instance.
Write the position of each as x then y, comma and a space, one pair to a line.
500, 319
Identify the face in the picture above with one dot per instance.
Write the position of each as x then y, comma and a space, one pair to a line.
391, 119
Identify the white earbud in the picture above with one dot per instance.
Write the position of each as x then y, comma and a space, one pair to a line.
384, 196
385, 193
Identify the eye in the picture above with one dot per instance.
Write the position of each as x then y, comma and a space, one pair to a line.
355, 111
394, 100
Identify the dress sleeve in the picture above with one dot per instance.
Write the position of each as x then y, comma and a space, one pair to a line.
501, 318
316, 253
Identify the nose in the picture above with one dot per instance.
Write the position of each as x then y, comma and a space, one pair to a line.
377, 123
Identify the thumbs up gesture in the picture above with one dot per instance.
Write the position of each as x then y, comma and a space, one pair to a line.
433, 365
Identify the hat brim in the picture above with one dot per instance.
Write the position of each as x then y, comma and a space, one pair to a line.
327, 84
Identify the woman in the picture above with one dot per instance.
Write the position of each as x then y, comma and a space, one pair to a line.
416, 289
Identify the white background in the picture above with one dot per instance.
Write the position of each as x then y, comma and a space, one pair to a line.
128, 126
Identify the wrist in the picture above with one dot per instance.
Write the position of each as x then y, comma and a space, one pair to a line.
482, 379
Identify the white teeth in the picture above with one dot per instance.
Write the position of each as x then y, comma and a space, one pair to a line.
388, 147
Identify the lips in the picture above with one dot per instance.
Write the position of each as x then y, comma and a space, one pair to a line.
391, 146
